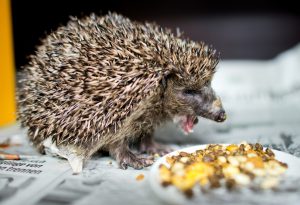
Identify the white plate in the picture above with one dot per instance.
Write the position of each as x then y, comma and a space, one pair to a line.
289, 192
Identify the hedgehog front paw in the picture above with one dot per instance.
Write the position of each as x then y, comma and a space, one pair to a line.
134, 161
127, 158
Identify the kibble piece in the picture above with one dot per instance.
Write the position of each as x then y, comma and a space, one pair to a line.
233, 161
248, 166
242, 179
183, 183
256, 161
178, 168
251, 153
208, 158
170, 160
184, 159
269, 152
221, 159
184, 154
214, 182
140, 177
230, 184
189, 193
242, 147
258, 147
165, 174
230, 170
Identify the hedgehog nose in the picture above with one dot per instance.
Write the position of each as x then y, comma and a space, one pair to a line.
221, 117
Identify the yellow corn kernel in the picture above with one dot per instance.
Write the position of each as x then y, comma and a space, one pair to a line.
232, 148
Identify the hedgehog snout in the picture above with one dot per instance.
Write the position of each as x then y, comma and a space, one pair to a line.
221, 116
210, 107
218, 111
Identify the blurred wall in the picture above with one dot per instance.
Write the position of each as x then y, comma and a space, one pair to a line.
238, 29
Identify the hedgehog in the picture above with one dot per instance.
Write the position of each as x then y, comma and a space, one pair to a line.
104, 83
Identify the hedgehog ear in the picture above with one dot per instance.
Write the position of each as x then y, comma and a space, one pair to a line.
172, 69
169, 71
164, 77
178, 72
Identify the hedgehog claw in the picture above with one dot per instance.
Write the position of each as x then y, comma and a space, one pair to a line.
135, 161
123, 165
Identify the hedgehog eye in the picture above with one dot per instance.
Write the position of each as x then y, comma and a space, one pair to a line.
190, 92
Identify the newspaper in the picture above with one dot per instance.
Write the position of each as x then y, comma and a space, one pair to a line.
46, 180
259, 111
28, 180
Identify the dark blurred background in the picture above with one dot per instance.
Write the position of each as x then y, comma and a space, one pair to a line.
251, 29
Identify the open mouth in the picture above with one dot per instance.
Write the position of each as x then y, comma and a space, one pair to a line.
186, 122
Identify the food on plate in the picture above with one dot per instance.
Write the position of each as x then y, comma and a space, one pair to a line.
218, 165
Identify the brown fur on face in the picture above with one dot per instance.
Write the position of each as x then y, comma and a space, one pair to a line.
193, 97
